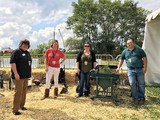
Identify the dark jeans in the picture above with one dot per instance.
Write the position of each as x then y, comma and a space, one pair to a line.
137, 83
84, 84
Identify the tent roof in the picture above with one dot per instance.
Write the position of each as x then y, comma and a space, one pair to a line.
153, 15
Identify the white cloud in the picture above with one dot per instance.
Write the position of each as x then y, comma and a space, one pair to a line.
37, 19
6, 41
34, 20
151, 5
6, 10
22, 13
11, 31
44, 35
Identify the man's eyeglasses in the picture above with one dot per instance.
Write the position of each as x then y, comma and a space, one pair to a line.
86, 46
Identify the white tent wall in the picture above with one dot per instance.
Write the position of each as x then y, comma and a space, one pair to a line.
151, 45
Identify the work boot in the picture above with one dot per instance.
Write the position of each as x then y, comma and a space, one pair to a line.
46, 94
135, 101
55, 92
141, 101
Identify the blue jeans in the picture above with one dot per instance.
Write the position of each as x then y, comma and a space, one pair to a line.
137, 83
84, 85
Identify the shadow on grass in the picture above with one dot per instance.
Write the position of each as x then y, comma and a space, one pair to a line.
48, 114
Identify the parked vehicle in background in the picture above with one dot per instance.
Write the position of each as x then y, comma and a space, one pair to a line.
6, 50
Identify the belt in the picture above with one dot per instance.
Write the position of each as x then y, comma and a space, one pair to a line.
134, 68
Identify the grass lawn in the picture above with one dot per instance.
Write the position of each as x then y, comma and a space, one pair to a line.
68, 107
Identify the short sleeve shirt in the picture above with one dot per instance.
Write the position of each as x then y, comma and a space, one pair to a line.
23, 61
53, 57
133, 58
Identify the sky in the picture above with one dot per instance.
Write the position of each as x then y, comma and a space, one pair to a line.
37, 20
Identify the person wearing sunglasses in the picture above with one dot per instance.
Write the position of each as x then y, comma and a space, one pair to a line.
53, 58
86, 61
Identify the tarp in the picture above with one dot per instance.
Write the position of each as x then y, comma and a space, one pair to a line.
151, 45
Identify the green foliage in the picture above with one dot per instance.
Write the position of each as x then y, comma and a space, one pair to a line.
107, 24
73, 43
41, 48
105, 69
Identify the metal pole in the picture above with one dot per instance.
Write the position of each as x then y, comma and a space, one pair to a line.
61, 37
54, 35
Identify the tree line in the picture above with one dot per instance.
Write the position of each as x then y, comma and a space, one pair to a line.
106, 24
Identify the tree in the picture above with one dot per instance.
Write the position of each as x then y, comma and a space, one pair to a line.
107, 24
41, 48
83, 21
73, 43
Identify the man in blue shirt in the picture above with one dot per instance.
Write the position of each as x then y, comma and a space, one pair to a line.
136, 61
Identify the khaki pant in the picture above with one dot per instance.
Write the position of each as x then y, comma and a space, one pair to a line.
20, 94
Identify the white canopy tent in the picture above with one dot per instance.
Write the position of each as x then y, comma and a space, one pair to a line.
151, 45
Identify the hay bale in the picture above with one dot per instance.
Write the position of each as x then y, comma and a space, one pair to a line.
41, 76
70, 76
123, 80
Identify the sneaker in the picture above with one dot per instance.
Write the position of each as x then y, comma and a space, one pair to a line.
23, 108
17, 113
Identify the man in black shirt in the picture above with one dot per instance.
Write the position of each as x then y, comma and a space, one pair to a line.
21, 70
